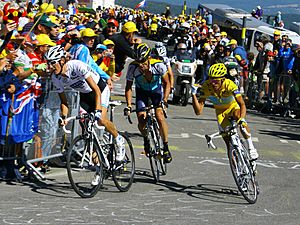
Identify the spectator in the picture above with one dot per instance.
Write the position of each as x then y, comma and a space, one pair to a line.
123, 43
259, 12
276, 42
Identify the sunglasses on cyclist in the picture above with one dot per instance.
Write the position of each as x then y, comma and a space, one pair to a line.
214, 81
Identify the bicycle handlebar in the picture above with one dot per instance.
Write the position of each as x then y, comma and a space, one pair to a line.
148, 109
85, 115
67, 120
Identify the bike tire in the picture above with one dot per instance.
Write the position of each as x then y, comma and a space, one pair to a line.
243, 174
186, 90
163, 166
155, 156
81, 176
123, 172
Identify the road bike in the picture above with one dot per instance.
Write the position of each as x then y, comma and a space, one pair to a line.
155, 155
92, 158
242, 168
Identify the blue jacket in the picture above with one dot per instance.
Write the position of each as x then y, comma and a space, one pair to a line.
286, 57
239, 50
82, 53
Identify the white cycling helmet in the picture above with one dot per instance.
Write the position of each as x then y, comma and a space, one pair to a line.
55, 53
160, 49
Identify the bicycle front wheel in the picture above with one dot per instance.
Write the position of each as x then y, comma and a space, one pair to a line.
85, 170
158, 167
243, 174
123, 171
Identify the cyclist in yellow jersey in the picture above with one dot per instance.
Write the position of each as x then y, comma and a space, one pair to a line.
227, 100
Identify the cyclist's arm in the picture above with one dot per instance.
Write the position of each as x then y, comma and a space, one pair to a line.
242, 105
167, 86
198, 105
96, 90
128, 92
64, 108
171, 76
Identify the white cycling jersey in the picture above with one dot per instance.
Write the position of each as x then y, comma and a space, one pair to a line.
76, 75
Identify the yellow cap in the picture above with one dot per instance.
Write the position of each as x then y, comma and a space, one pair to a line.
47, 8
54, 19
277, 32
30, 15
232, 42
88, 32
44, 39
223, 33
108, 42
129, 27
203, 21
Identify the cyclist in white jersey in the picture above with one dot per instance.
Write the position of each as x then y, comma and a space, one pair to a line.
94, 92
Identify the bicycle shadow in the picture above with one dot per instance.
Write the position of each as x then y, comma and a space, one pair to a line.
50, 187
209, 192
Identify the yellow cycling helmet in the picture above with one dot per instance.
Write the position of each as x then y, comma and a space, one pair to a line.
217, 70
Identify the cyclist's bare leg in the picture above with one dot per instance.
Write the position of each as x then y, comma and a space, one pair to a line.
163, 126
163, 129
142, 123
245, 131
110, 127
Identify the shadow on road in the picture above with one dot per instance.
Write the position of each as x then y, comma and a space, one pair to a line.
208, 192
281, 134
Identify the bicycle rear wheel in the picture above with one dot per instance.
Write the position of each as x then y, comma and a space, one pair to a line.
243, 174
123, 172
85, 172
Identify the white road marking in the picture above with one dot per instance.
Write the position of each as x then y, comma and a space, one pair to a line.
182, 135
298, 142
283, 141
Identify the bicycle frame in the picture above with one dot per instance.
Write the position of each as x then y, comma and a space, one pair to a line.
90, 133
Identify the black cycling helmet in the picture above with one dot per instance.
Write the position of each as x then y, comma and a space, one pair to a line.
142, 52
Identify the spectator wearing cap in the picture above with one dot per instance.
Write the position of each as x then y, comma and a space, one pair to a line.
43, 26
110, 29
204, 28
44, 42
123, 43
80, 51
217, 37
108, 63
98, 54
224, 40
277, 41
55, 30
47, 9
259, 13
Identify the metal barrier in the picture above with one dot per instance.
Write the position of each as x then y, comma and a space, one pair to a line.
47, 142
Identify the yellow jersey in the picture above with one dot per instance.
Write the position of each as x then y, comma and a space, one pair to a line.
224, 98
